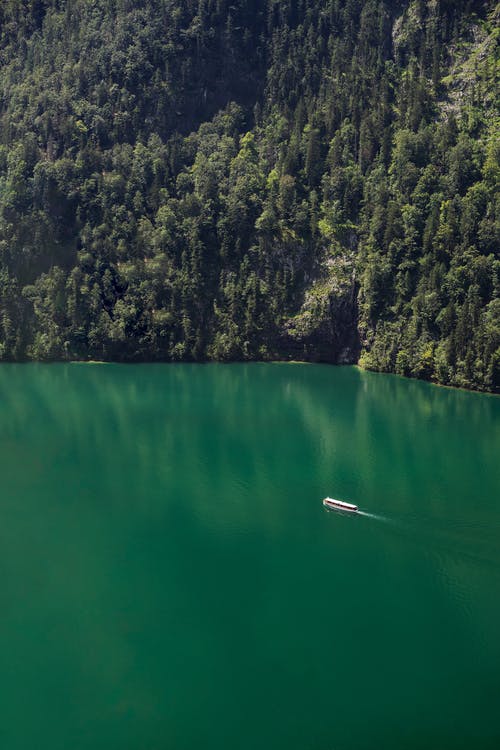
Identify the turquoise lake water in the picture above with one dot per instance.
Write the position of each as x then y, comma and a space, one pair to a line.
171, 580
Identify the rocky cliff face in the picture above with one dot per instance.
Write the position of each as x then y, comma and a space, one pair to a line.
325, 329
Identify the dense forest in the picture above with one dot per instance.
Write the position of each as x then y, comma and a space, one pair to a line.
245, 179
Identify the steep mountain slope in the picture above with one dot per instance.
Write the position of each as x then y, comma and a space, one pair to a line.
199, 179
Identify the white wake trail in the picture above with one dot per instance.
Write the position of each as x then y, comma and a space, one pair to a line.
375, 516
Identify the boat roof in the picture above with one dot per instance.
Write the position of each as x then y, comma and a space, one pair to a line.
340, 502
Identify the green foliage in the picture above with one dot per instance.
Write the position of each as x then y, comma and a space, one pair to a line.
193, 179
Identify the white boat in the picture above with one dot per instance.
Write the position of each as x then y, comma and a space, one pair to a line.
330, 502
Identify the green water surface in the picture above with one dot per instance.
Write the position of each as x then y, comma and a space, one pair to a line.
171, 581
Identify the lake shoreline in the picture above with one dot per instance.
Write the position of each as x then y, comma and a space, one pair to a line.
246, 362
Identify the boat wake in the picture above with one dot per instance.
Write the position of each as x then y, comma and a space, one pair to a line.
375, 516
396, 524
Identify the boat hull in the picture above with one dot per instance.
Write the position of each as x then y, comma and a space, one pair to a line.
329, 502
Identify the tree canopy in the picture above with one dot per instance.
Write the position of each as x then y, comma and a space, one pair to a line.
205, 179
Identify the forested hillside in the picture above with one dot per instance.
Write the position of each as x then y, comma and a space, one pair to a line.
245, 179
